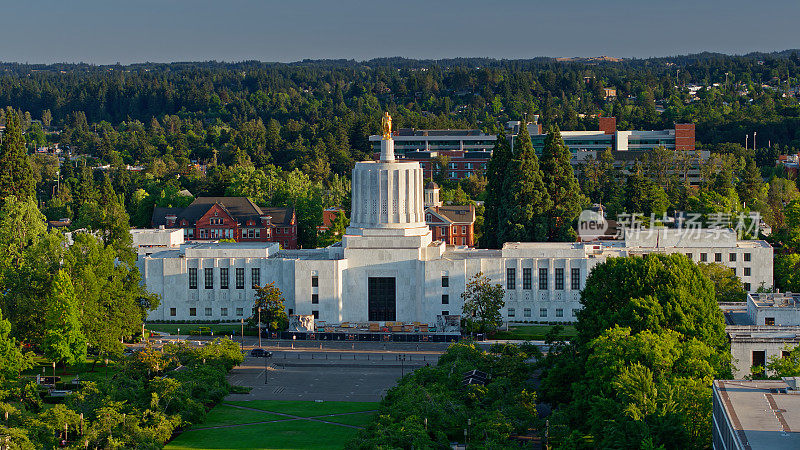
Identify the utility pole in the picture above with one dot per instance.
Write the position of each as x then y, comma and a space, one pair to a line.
746, 139
259, 329
754, 139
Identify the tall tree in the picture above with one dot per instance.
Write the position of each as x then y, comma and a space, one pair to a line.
523, 210
12, 359
16, 176
270, 299
64, 340
562, 187
496, 172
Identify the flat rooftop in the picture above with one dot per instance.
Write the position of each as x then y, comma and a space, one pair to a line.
786, 300
761, 413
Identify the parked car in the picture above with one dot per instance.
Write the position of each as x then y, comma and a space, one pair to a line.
260, 353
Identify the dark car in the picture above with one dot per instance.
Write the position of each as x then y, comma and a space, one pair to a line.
260, 353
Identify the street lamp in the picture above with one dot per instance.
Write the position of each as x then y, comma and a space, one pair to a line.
54, 374
266, 355
259, 327
402, 358
242, 333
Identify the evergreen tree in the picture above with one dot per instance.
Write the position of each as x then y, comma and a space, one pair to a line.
16, 176
523, 209
751, 188
64, 340
562, 187
496, 172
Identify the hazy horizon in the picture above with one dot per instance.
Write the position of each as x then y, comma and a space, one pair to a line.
101, 33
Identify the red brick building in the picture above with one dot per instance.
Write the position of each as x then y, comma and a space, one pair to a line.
237, 218
453, 224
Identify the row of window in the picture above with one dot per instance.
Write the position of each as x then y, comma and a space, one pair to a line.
208, 312
526, 312
527, 282
208, 277
718, 257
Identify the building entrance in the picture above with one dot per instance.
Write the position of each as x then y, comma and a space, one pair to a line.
381, 299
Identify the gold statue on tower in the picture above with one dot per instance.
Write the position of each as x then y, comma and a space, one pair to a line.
386, 126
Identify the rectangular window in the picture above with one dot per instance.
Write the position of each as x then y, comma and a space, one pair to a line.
747, 257
463, 229
192, 278
208, 311
747, 287
255, 277
559, 312
732, 257
239, 312
445, 313
511, 278
511, 312
717, 257
769, 321
445, 281
559, 279
543, 312
445, 299
315, 313
209, 277
223, 312
703, 257
747, 271
173, 312
759, 360
315, 299
526, 312
575, 279
239, 278
192, 311
526, 278
223, 278
689, 255
314, 281
543, 278
574, 313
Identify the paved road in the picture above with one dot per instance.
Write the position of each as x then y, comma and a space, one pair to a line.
325, 375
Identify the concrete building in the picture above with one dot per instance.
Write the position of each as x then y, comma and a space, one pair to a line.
389, 267
756, 414
763, 329
147, 241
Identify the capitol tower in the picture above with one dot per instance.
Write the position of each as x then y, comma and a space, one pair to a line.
387, 202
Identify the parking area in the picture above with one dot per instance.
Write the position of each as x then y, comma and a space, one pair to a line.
361, 376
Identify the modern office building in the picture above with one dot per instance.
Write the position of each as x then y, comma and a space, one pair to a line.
389, 267
467, 151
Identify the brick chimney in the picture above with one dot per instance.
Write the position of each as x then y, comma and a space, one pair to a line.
608, 125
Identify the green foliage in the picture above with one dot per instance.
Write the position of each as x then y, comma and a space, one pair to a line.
506, 405
523, 209
335, 231
16, 177
727, 286
788, 365
12, 359
650, 341
270, 300
482, 304
562, 187
63, 340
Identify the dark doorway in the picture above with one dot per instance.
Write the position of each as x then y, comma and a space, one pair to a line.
759, 360
381, 298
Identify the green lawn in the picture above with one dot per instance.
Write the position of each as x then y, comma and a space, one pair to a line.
533, 332
228, 415
187, 328
307, 409
292, 434
287, 434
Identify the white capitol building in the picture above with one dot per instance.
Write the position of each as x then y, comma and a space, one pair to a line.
388, 268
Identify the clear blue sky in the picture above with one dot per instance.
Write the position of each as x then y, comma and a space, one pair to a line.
110, 31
